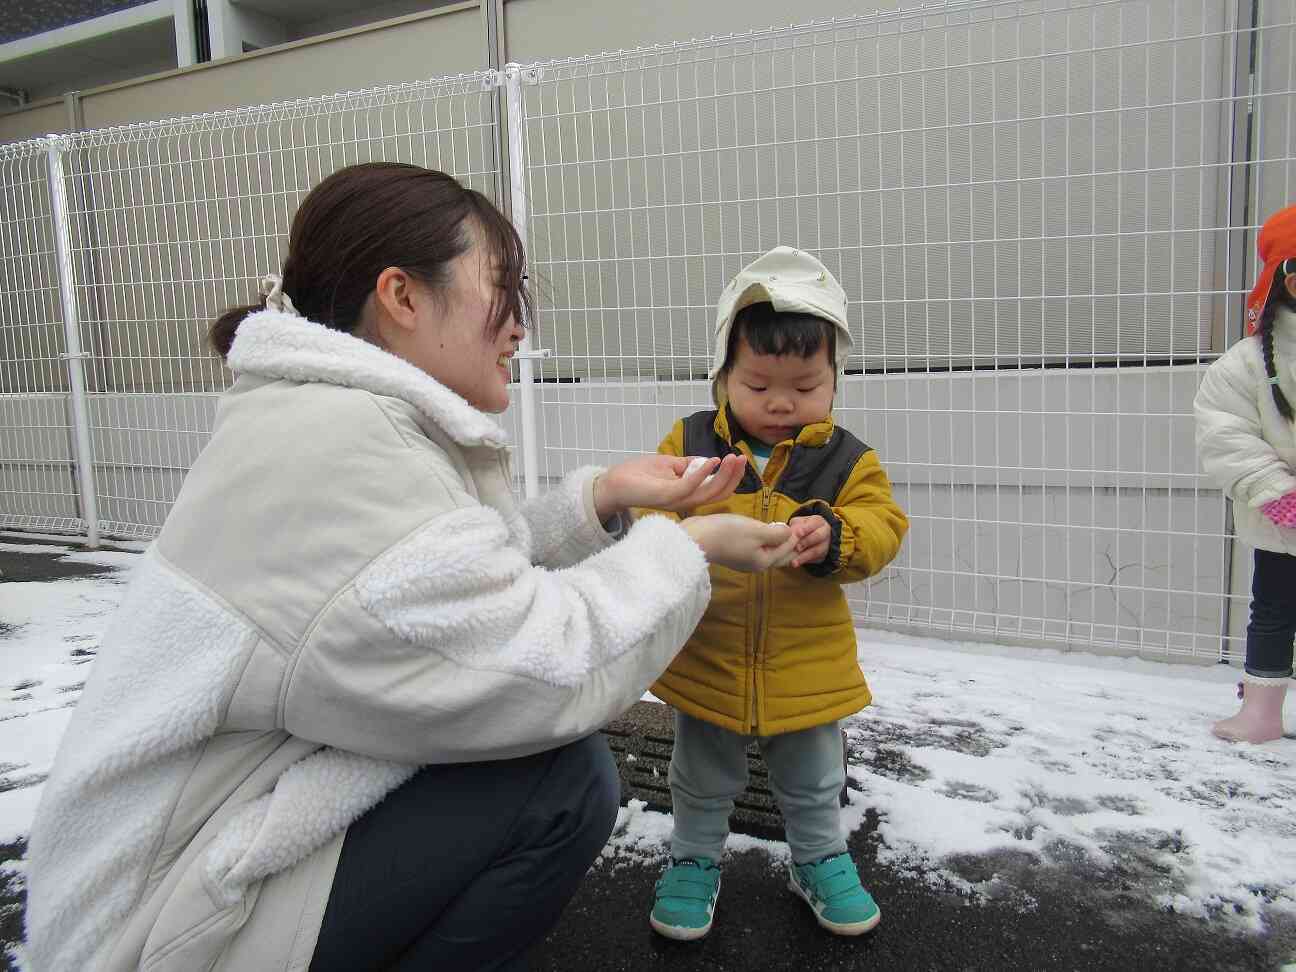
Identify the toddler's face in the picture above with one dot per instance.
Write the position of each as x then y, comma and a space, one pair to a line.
774, 395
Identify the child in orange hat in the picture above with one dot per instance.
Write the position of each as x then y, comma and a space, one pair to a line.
1246, 437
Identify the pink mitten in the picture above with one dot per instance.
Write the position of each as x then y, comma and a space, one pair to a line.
1282, 510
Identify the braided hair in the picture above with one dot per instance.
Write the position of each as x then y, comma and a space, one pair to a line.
1278, 295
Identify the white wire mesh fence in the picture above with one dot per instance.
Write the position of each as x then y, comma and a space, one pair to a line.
172, 223
1040, 213
1043, 212
37, 476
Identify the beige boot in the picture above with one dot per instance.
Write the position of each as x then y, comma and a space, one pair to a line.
1260, 719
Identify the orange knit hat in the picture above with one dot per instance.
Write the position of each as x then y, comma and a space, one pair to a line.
1276, 243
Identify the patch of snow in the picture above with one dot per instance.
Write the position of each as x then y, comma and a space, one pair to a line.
48, 642
975, 754
1075, 761
27, 748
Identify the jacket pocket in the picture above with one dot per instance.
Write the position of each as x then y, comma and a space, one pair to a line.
194, 928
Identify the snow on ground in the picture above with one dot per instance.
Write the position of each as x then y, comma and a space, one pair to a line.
1081, 762
49, 633
981, 761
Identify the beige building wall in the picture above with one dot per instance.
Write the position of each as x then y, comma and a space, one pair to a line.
435, 43
540, 30
981, 201
43, 118
441, 42
965, 232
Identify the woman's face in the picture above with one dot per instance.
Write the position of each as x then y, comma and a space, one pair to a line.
449, 334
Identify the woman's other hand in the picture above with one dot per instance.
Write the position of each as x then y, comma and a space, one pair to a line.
741, 543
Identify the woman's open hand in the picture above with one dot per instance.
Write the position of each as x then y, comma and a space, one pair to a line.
665, 483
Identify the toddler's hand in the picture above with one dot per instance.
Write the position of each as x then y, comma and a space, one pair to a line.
1282, 511
813, 537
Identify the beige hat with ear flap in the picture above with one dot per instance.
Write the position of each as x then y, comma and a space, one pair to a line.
791, 280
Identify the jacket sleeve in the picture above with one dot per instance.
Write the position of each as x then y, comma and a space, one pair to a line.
562, 524
1230, 438
451, 646
867, 525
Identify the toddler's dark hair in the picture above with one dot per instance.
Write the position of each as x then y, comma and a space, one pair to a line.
768, 331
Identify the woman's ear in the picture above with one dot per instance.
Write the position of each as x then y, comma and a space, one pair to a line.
389, 314
1289, 282
394, 295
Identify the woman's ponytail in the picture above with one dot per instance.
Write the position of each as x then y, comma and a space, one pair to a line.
221, 334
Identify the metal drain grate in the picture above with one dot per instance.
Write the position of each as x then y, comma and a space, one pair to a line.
641, 742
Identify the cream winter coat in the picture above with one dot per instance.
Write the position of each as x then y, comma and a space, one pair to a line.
1246, 446
343, 590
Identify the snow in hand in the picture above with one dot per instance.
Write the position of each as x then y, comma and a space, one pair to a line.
696, 464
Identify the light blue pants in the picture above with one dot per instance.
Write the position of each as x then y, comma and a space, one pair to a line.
708, 770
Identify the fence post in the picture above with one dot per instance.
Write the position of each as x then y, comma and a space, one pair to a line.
1237, 218
83, 452
514, 75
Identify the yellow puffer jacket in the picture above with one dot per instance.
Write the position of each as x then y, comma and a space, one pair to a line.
776, 651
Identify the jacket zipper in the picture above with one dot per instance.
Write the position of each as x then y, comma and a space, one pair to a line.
761, 583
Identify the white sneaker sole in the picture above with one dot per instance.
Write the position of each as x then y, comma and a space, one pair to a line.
677, 933
681, 934
837, 928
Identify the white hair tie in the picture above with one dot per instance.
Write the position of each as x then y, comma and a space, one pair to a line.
275, 298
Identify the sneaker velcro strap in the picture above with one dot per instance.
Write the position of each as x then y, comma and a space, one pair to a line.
839, 885
829, 881
686, 895
687, 886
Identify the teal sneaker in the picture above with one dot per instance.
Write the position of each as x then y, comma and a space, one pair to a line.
831, 887
685, 899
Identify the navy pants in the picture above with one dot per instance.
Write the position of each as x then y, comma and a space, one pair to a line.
467, 866
1273, 615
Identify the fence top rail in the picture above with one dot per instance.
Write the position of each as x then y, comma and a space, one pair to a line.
26, 149
405, 92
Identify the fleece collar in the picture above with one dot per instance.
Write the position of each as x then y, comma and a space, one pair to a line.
272, 344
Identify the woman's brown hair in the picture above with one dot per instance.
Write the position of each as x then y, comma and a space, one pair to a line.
365, 218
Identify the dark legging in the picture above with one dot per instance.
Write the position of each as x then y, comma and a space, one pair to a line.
467, 866
1273, 615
